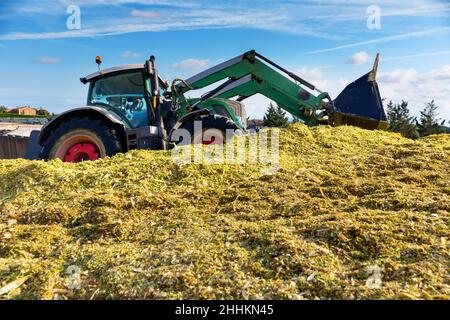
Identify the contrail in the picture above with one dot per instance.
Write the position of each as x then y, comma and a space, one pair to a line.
384, 39
428, 54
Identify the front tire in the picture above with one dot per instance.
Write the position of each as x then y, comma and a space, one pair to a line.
214, 130
81, 139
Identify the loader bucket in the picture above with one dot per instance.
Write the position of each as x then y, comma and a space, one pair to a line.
360, 104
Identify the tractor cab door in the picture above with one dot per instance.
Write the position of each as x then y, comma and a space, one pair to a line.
125, 94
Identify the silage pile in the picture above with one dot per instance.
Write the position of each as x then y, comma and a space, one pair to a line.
345, 205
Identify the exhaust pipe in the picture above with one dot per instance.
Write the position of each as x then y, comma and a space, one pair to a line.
360, 104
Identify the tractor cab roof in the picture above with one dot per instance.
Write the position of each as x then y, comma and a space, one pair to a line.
120, 69
105, 72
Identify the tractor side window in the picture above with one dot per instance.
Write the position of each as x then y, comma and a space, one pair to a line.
125, 93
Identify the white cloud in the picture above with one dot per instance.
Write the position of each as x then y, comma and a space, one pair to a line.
189, 17
175, 23
310, 73
118, 2
130, 54
296, 17
441, 74
415, 9
313, 76
399, 76
31, 9
359, 58
418, 88
256, 106
191, 64
144, 14
48, 60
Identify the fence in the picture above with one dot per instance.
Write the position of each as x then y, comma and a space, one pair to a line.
12, 147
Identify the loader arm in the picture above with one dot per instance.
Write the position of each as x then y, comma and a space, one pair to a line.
248, 75
251, 73
249, 85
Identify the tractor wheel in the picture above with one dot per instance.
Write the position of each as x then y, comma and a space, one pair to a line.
81, 139
213, 131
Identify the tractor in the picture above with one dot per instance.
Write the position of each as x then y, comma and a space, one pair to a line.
132, 107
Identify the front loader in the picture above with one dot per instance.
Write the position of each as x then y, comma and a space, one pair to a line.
132, 107
359, 103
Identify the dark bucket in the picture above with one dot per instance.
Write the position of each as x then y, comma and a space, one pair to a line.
360, 104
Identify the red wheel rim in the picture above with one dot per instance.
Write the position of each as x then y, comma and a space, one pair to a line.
85, 151
212, 136
205, 142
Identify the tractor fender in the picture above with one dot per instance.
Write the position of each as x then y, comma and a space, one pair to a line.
109, 117
189, 117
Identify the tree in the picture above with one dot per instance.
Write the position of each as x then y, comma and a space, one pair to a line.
42, 112
275, 117
429, 123
2, 109
400, 120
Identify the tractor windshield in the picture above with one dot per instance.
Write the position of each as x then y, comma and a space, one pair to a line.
125, 93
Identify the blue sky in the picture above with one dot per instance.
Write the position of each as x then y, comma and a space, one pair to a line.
326, 42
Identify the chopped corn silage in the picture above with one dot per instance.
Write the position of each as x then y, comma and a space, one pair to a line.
351, 214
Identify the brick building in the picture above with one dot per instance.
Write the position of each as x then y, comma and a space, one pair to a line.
24, 111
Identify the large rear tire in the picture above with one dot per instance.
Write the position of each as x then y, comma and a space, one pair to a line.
81, 139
